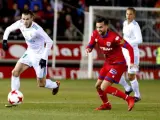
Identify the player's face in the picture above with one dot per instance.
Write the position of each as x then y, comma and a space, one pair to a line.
130, 15
27, 20
101, 28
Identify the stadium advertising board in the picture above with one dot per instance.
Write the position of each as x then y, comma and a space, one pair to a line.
75, 73
72, 52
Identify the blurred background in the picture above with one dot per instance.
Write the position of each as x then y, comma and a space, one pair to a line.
73, 31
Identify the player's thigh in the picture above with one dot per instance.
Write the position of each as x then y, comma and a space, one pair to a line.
19, 68
102, 72
40, 72
115, 72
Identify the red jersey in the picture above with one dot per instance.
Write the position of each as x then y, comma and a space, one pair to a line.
110, 45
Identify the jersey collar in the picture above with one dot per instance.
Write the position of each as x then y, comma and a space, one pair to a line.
104, 35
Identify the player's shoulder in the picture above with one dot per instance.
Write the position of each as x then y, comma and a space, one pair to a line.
112, 33
18, 22
36, 26
134, 23
95, 33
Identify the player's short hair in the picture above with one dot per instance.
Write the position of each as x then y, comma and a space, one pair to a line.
132, 9
28, 12
102, 19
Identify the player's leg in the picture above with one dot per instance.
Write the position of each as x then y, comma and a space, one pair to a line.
135, 86
106, 105
47, 83
127, 87
108, 89
122, 81
113, 76
133, 79
22, 64
15, 80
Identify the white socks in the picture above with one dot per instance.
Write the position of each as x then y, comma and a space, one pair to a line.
124, 83
50, 84
135, 87
15, 83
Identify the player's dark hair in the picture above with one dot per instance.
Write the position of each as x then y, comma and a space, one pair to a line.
28, 12
102, 19
132, 9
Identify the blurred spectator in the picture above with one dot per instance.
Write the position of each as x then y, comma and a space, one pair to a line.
48, 18
35, 2
10, 4
157, 25
21, 3
38, 14
45, 4
26, 7
15, 12
81, 7
119, 27
71, 32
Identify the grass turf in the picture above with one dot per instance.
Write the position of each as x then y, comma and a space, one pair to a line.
77, 100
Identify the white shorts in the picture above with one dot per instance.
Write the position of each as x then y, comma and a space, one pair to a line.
32, 59
135, 69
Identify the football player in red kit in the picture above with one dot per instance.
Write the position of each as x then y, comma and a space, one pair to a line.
110, 44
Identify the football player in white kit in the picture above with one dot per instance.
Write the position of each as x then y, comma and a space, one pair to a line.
36, 56
132, 34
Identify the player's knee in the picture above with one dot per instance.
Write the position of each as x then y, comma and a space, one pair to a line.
15, 73
102, 87
97, 86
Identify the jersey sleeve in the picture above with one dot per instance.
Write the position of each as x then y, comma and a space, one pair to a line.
123, 43
137, 34
11, 28
92, 41
48, 42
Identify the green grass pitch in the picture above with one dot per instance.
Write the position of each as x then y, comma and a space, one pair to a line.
77, 100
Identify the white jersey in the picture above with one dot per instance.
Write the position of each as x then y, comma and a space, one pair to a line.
35, 37
132, 34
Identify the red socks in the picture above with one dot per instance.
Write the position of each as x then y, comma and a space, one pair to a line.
102, 95
114, 91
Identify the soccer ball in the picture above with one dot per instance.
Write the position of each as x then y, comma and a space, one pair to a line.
15, 97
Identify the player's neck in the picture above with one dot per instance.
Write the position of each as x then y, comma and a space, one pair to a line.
129, 21
29, 25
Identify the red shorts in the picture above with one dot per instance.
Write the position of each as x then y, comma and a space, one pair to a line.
112, 73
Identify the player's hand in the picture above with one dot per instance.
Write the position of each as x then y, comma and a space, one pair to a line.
133, 66
42, 63
5, 45
88, 50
